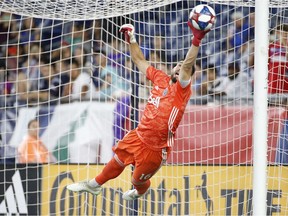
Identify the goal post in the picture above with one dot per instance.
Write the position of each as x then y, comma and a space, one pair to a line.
260, 109
65, 66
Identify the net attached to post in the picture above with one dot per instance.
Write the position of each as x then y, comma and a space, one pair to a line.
67, 71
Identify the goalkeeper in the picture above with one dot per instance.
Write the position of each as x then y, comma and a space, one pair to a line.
148, 146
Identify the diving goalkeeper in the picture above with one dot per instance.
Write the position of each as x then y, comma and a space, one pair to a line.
148, 146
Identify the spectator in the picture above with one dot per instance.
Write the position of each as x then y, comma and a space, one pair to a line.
159, 47
77, 35
197, 77
236, 85
59, 80
65, 51
278, 63
31, 69
101, 68
27, 30
80, 86
247, 48
248, 59
7, 86
246, 54
4, 27
122, 108
208, 80
79, 55
32, 149
47, 90
95, 36
14, 33
107, 88
145, 46
113, 87
3, 83
251, 23
62, 67
154, 58
238, 34
13, 58
115, 53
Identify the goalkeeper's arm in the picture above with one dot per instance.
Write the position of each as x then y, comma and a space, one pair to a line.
135, 51
186, 68
189, 61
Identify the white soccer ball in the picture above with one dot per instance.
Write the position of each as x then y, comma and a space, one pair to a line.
203, 17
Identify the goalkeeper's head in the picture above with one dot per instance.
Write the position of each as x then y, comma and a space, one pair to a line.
176, 71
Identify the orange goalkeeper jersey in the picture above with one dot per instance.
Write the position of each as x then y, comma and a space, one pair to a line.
164, 110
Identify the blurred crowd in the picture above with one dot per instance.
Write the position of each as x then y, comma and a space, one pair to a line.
52, 61
49, 62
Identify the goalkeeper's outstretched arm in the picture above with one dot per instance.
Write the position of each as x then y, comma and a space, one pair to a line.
189, 61
138, 58
135, 51
186, 68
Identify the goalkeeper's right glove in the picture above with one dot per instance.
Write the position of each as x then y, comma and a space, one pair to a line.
128, 31
198, 35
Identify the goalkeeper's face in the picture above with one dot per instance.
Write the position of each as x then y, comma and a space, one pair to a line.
175, 72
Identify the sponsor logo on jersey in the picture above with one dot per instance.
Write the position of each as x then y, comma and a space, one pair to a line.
14, 199
155, 101
165, 92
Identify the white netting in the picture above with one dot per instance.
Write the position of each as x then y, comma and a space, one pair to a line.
75, 76
249, 3
84, 10
79, 10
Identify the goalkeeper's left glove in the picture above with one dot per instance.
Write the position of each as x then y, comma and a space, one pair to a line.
198, 35
128, 31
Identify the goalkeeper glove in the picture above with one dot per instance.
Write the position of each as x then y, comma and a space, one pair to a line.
198, 35
128, 31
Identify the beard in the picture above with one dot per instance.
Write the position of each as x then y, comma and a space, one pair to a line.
173, 78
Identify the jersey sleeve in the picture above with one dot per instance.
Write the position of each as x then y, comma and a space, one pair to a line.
184, 90
183, 94
155, 75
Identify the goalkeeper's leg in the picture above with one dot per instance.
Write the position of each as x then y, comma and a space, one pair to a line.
148, 162
113, 169
110, 171
139, 191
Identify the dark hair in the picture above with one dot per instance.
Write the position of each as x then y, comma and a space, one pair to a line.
282, 27
198, 62
75, 61
31, 121
99, 51
234, 66
212, 66
2, 63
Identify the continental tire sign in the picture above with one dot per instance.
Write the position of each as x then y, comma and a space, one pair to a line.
175, 190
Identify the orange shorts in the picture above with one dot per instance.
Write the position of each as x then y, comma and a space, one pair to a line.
131, 150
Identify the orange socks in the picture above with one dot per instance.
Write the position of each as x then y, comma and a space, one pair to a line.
142, 188
110, 171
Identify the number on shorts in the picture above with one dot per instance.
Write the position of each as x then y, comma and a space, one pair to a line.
145, 177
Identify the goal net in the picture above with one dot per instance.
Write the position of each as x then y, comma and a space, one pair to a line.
66, 76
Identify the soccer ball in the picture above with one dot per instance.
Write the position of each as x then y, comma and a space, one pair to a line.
203, 17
